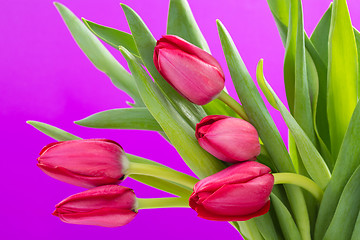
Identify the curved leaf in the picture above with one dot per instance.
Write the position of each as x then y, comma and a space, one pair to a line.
312, 160
342, 74
181, 22
287, 224
113, 37
98, 54
343, 222
347, 162
122, 118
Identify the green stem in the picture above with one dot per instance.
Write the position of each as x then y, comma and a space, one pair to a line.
233, 104
301, 181
163, 173
151, 203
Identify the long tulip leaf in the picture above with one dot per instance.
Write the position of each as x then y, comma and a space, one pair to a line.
280, 10
261, 119
356, 232
122, 118
320, 36
347, 162
342, 74
113, 37
343, 222
182, 23
181, 135
145, 43
287, 224
266, 227
98, 54
53, 132
167, 186
261, 81
312, 160
249, 230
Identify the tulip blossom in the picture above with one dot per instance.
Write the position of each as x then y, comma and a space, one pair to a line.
194, 73
237, 193
227, 138
105, 206
85, 163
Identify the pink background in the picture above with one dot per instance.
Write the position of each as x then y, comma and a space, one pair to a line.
46, 77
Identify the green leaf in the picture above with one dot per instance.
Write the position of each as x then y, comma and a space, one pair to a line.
356, 232
347, 162
181, 22
266, 227
295, 74
342, 74
170, 187
261, 119
217, 107
357, 40
98, 54
281, 8
280, 11
261, 81
113, 37
53, 132
287, 224
343, 222
249, 230
312, 160
181, 135
145, 43
320, 36
123, 118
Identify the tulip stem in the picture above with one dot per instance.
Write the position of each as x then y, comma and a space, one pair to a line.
301, 181
172, 202
233, 104
163, 173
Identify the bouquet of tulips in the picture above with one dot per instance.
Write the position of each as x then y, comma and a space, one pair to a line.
246, 175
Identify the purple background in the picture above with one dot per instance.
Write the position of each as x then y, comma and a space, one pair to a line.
46, 77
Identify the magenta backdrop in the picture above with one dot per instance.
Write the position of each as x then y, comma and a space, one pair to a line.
46, 77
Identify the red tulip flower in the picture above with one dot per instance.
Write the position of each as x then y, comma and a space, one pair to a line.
105, 206
85, 163
237, 193
194, 73
227, 138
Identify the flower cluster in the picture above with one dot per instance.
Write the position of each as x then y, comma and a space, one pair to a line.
237, 193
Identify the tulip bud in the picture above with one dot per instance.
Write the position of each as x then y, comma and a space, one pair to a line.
85, 163
237, 193
227, 138
105, 206
194, 73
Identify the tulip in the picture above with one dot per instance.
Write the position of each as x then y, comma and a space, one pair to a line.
85, 163
194, 73
105, 206
227, 138
237, 193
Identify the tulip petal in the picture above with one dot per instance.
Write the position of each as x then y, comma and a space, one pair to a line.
193, 50
67, 176
238, 173
194, 79
109, 217
231, 140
